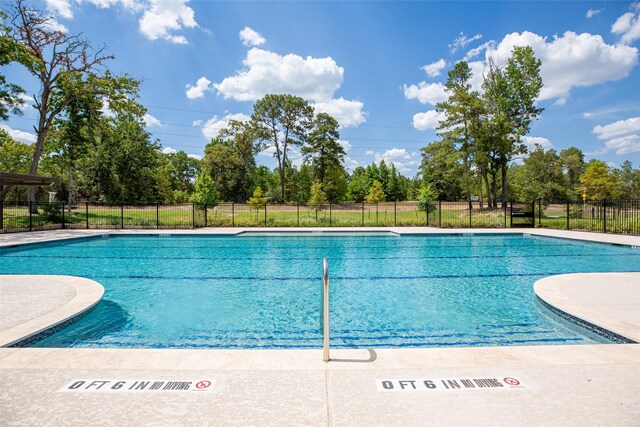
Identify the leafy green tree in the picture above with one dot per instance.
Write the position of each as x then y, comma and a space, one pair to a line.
299, 183
441, 168
358, 186
540, 177
323, 151
183, 171
257, 201
629, 180
427, 195
59, 60
510, 96
205, 193
573, 164
15, 157
598, 182
462, 126
281, 121
376, 193
318, 198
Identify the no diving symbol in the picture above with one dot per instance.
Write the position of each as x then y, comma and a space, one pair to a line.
203, 384
508, 380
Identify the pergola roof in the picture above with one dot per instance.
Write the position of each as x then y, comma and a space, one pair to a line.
24, 179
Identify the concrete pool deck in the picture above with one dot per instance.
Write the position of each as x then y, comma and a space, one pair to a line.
559, 385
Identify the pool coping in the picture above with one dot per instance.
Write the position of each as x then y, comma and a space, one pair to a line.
87, 294
552, 291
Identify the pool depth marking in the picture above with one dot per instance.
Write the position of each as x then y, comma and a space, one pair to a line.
449, 384
181, 385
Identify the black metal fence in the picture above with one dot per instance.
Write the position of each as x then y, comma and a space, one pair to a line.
607, 216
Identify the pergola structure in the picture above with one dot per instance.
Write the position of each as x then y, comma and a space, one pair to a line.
10, 180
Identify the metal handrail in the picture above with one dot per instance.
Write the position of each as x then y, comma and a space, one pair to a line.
325, 309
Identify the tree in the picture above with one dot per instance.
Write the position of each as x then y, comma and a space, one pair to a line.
358, 186
597, 181
281, 121
257, 201
461, 126
540, 177
10, 51
15, 157
59, 60
426, 196
629, 180
318, 198
573, 164
376, 194
205, 193
512, 93
323, 151
442, 169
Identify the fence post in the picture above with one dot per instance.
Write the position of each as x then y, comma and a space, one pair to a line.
121, 214
470, 209
233, 214
157, 214
1, 215
504, 208
363, 214
440, 213
395, 214
539, 213
62, 225
193, 214
604, 207
568, 207
330, 214
533, 214
426, 211
265, 214
298, 212
30, 217
86, 211
205, 215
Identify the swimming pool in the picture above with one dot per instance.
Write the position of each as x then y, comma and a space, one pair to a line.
253, 290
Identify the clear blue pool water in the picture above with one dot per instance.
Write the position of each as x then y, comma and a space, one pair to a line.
247, 291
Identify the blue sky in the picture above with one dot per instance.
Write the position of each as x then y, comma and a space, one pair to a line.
377, 66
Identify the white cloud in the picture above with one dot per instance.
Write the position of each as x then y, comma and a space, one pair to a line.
151, 120
478, 50
435, 68
251, 37
593, 12
60, 8
571, 60
624, 145
165, 17
622, 136
195, 156
52, 24
196, 123
18, 135
628, 26
427, 120
403, 161
531, 141
346, 145
268, 72
347, 113
462, 41
169, 150
214, 125
426, 93
618, 129
197, 91
587, 115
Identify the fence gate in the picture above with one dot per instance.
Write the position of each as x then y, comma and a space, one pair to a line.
522, 215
